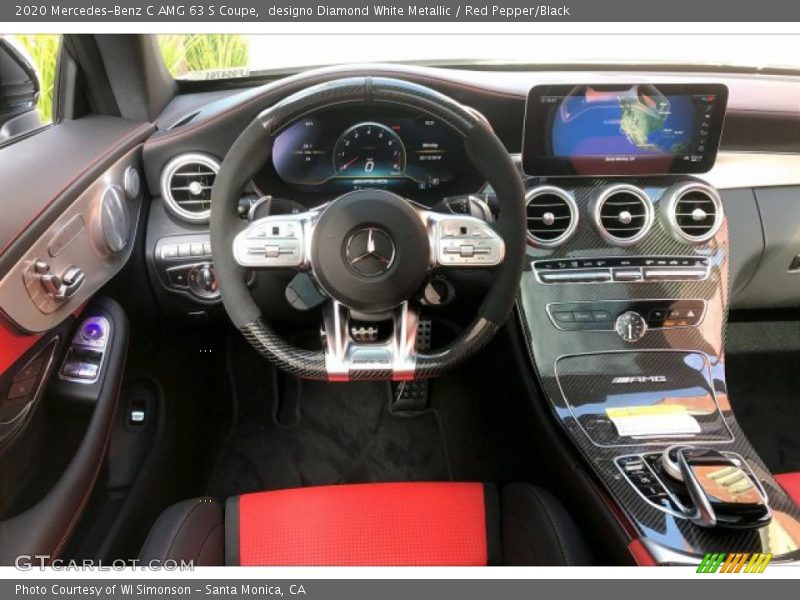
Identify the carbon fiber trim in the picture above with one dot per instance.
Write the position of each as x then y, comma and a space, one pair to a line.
547, 344
307, 364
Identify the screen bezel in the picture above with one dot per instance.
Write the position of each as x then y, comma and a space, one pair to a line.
538, 162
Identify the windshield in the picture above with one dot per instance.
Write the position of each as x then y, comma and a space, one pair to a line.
215, 56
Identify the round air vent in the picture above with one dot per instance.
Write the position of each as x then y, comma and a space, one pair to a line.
623, 214
186, 184
694, 212
552, 216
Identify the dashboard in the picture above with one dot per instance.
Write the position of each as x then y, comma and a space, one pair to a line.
342, 148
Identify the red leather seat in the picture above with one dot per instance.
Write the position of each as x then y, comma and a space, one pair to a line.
791, 483
390, 524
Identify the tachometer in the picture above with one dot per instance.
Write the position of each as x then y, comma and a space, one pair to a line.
369, 150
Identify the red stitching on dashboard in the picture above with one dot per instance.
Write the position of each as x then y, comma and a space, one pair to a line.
131, 136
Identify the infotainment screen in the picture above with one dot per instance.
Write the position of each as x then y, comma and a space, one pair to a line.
632, 129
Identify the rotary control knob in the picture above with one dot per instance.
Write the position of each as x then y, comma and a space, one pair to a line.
112, 225
631, 326
203, 281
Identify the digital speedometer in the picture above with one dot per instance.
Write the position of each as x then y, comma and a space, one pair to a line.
369, 150
345, 147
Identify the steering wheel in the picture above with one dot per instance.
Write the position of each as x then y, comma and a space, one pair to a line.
369, 250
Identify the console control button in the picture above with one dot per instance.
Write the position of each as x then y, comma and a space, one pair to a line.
641, 476
627, 275
564, 316
622, 269
577, 276
631, 463
658, 314
674, 274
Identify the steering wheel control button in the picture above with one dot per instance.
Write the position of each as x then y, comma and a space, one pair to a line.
466, 242
273, 242
631, 326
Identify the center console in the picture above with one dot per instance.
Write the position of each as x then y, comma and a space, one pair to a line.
623, 305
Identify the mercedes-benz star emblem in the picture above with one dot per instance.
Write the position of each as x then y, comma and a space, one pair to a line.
370, 251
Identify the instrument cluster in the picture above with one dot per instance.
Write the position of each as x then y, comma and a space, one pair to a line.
345, 147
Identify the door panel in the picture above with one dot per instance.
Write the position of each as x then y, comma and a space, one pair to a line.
70, 207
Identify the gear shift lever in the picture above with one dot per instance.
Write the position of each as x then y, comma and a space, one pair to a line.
722, 493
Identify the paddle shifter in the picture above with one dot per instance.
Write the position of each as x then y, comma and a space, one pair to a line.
719, 490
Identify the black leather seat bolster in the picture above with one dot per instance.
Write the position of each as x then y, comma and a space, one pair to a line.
537, 530
192, 530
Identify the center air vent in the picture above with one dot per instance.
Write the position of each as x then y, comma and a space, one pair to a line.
623, 214
186, 184
552, 216
694, 211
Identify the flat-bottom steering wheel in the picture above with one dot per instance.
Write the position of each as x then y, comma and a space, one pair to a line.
369, 250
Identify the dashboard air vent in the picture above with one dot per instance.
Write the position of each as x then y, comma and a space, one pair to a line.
623, 214
186, 184
695, 212
552, 216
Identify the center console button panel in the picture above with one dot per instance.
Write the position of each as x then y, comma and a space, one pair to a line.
637, 269
601, 315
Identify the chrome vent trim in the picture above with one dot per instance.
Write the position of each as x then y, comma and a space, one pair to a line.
186, 184
623, 214
551, 216
694, 212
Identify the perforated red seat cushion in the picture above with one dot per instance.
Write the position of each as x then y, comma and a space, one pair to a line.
791, 483
362, 524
